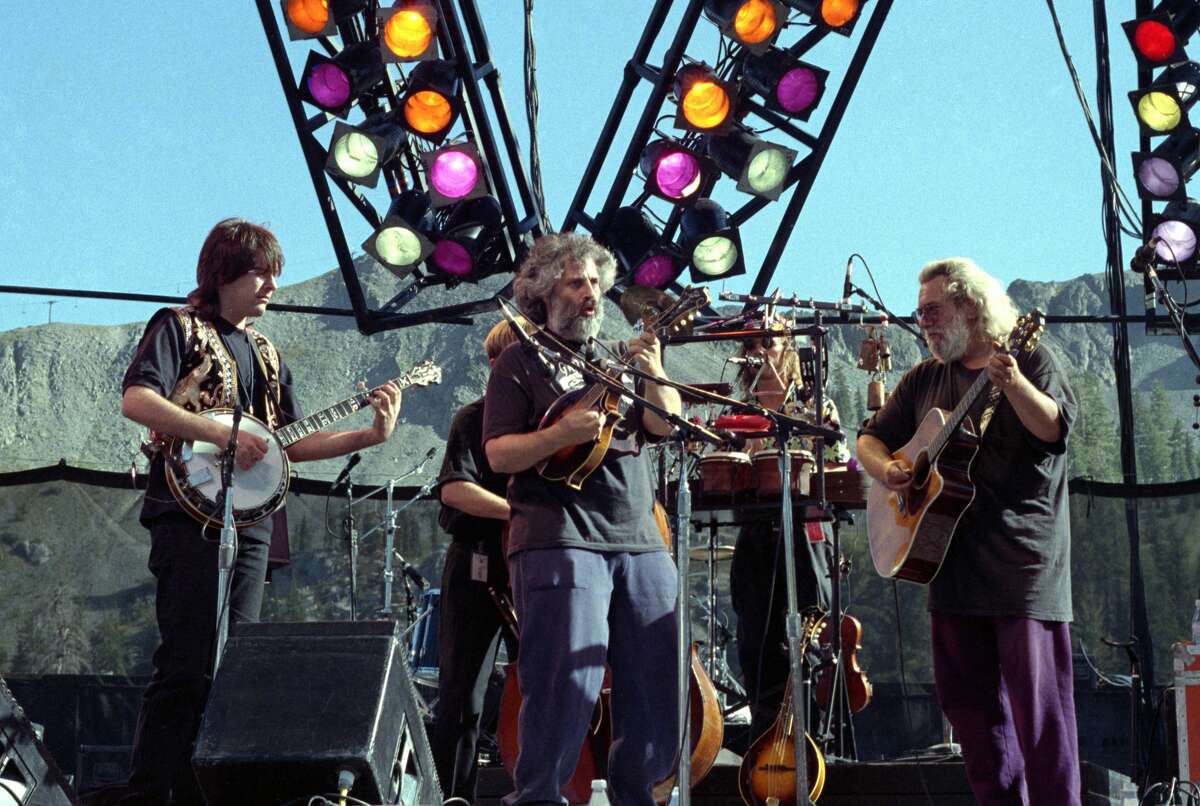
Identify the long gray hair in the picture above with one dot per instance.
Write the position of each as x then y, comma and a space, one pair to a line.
548, 259
966, 282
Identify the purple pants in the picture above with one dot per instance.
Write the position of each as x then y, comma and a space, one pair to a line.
1006, 686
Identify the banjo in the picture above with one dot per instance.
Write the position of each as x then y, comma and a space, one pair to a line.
194, 468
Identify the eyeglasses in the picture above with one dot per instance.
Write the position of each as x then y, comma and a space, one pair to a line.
928, 313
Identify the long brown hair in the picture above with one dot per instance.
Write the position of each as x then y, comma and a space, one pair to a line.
233, 248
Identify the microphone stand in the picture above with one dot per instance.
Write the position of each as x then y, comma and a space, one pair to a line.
227, 549
350, 534
388, 524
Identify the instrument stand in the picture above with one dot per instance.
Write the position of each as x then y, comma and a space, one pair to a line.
350, 535
838, 722
389, 543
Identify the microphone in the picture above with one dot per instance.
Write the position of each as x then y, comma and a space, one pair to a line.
409, 571
1143, 259
428, 455
847, 286
355, 458
748, 360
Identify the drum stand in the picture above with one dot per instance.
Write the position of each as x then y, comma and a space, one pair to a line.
726, 684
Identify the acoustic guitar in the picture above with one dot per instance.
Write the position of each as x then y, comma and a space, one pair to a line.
910, 532
194, 468
574, 463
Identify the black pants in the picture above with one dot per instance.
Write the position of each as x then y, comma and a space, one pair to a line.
469, 633
758, 591
185, 567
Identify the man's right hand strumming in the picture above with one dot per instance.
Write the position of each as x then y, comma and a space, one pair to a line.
897, 475
251, 448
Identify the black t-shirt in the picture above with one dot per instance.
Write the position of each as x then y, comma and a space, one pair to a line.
466, 461
1010, 555
156, 365
613, 510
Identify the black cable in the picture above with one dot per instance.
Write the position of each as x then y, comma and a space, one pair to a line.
531, 114
1124, 206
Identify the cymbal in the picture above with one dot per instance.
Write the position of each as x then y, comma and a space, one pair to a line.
636, 297
700, 553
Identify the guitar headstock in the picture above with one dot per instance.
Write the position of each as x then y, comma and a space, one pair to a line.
425, 373
1027, 333
680, 313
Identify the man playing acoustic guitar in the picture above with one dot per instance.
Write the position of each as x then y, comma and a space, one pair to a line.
191, 359
592, 581
1000, 607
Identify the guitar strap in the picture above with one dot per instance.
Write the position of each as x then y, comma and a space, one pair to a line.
993, 401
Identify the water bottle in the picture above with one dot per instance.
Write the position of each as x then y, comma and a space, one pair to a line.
599, 793
1196, 624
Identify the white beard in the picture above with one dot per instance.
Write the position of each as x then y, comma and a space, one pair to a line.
565, 321
956, 337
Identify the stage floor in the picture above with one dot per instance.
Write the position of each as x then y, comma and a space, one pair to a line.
877, 783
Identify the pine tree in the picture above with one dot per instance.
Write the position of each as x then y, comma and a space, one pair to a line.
1154, 454
1093, 445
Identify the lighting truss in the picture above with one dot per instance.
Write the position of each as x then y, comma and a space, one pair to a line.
460, 41
814, 145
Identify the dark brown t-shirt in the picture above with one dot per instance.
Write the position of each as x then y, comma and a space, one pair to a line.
1010, 555
613, 511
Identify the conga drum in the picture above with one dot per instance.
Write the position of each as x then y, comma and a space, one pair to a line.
726, 474
766, 472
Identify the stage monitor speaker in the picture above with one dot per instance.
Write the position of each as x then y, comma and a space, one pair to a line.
28, 774
295, 706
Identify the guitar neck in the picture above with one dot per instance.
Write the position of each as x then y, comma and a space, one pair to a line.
981, 385
319, 420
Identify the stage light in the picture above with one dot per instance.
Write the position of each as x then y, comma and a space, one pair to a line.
332, 84
1176, 228
309, 19
462, 252
644, 256
455, 173
431, 100
705, 101
407, 32
786, 84
838, 16
753, 24
1162, 173
1158, 37
673, 172
1163, 106
358, 153
712, 247
760, 168
400, 242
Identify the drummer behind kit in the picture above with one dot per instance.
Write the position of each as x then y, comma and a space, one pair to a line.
194, 468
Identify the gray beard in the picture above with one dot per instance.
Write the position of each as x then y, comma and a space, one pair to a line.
954, 344
572, 327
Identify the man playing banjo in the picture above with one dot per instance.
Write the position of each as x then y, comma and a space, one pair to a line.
191, 359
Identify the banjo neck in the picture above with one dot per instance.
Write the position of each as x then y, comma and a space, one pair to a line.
319, 420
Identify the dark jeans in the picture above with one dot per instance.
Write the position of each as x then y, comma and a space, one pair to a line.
580, 609
758, 593
469, 633
1007, 687
185, 567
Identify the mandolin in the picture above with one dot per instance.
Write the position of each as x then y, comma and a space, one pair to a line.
574, 463
767, 776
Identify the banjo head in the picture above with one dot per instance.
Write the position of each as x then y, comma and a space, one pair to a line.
195, 469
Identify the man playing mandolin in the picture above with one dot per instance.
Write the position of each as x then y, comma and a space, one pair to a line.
592, 581
1000, 607
191, 359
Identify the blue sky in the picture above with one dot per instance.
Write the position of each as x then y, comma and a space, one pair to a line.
130, 134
